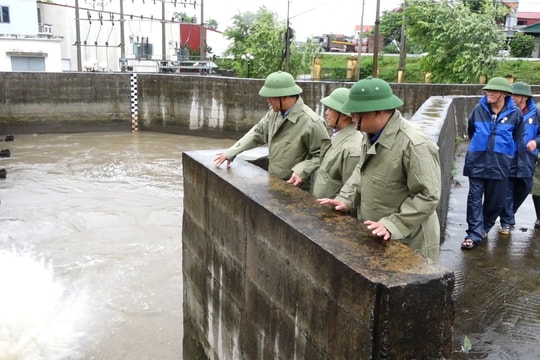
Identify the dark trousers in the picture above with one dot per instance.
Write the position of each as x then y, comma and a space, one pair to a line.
517, 191
485, 202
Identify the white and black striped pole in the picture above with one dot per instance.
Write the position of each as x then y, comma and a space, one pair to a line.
134, 104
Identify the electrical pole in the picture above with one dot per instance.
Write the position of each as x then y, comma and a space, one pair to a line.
287, 42
163, 42
78, 35
203, 40
123, 62
376, 42
360, 38
402, 47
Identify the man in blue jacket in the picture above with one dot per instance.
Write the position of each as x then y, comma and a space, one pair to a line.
522, 170
493, 129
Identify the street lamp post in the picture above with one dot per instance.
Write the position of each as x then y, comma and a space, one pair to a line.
249, 58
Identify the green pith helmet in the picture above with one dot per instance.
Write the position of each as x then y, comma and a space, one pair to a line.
498, 83
371, 94
337, 99
521, 88
279, 83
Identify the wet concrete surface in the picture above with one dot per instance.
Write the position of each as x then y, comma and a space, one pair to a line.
105, 209
497, 290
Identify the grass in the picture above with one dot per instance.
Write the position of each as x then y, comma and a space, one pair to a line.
521, 70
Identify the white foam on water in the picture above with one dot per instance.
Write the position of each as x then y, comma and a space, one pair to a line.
40, 318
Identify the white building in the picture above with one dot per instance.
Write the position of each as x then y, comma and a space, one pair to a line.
85, 35
24, 44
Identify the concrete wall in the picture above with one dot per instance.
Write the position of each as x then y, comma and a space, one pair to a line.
195, 105
444, 120
64, 102
186, 104
269, 274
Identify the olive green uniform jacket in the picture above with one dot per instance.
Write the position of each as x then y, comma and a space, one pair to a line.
337, 163
398, 183
294, 142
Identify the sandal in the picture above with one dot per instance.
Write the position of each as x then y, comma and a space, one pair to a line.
468, 244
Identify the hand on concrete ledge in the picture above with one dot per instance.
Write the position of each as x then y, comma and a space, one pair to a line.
295, 180
220, 159
338, 205
378, 229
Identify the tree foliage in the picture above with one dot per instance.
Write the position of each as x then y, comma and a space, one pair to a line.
185, 18
390, 26
522, 45
455, 53
263, 36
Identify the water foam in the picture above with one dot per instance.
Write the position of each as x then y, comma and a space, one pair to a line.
40, 319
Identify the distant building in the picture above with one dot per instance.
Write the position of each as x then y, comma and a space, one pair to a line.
26, 43
57, 36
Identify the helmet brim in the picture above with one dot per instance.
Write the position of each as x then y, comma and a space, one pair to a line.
266, 91
334, 105
363, 106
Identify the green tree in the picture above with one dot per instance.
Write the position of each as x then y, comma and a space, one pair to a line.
455, 54
390, 26
212, 24
263, 36
522, 45
185, 18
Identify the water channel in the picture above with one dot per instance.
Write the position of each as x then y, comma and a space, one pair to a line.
101, 214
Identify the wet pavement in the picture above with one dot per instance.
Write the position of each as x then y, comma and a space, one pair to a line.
497, 291
105, 209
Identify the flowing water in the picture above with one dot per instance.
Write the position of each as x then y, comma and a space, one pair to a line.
90, 254
101, 213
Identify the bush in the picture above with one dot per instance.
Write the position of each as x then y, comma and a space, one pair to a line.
522, 45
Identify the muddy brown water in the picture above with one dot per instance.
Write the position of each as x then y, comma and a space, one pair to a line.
105, 210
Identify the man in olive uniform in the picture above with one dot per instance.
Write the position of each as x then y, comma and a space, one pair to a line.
339, 161
294, 133
396, 185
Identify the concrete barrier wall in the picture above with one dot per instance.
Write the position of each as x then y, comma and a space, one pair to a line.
64, 102
270, 274
174, 103
444, 120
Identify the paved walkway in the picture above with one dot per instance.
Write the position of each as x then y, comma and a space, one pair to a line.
497, 292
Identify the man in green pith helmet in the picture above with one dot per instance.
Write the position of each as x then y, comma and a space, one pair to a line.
520, 182
294, 133
396, 185
339, 161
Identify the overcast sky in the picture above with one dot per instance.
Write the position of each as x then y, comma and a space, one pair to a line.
307, 17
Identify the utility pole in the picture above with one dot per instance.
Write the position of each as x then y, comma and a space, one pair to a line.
402, 47
376, 42
123, 62
78, 35
203, 40
360, 38
287, 42
163, 42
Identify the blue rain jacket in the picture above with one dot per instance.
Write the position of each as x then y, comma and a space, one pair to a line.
525, 161
493, 140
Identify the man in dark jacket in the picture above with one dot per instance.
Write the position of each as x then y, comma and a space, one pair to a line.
493, 128
522, 170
